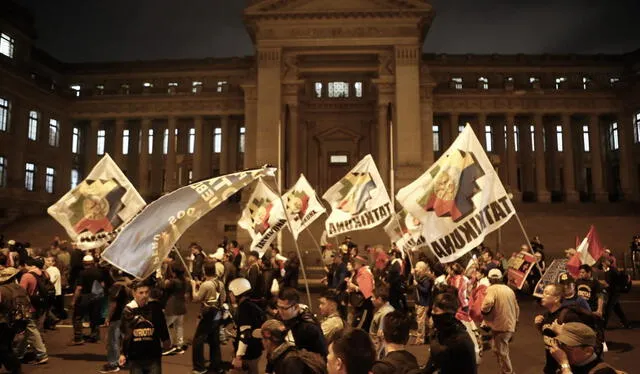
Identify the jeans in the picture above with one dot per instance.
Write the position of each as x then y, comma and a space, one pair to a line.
146, 366
208, 331
500, 346
86, 305
613, 306
177, 332
32, 336
114, 339
8, 358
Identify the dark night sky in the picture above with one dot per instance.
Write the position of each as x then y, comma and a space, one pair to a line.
116, 30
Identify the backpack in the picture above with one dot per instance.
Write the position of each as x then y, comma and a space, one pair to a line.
314, 363
45, 292
15, 306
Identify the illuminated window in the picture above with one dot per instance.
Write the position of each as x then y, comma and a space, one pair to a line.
125, 89
338, 89
33, 125
54, 132
49, 179
488, 138
613, 81
125, 142
559, 138
559, 82
196, 87
76, 89
7, 45
3, 171
150, 141
457, 83
165, 142
534, 81
101, 138
516, 138
460, 128
29, 176
75, 140
532, 134
190, 176
636, 128
4, 114
586, 145
147, 85
192, 140
241, 139
318, 89
221, 86
586, 82
100, 89
217, 140
75, 178
483, 83
338, 159
358, 88
613, 136
172, 88
436, 138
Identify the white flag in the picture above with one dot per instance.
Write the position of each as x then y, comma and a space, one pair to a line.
406, 231
303, 206
459, 200
359, 200
94, 209
263, 217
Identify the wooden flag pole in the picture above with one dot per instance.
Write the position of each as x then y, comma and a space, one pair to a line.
186, 268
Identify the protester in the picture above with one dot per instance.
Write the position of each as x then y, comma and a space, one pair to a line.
119, 297
501, 313
305, 329
613, 282
249, 317
14, 304
383, 307
351, 352
360, 289
397, 359
87, 301
424, 283
332, 320
570, 297
32, 282
56, 309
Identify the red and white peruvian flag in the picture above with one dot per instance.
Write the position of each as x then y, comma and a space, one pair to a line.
588, 252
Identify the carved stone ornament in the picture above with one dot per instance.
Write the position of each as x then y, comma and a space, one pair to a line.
93, 109
333, 32
524, 104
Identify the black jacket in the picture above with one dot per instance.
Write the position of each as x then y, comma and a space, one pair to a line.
143, 345
395, 362
249, 318
307, 333
452, 351
288, 359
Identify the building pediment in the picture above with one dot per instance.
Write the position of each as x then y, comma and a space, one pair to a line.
289, 8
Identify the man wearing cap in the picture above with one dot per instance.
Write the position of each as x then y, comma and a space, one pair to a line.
571, 299
501, 312
573, 349
87, 300
284, 357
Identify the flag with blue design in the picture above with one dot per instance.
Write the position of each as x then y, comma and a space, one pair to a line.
459, 200
92, 212
145, 242
358, 201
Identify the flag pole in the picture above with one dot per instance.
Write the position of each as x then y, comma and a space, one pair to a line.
315, 242
278, 180
526, 237
392, 172
186, 268
304, 272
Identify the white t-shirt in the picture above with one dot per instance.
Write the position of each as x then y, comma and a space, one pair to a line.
54, 276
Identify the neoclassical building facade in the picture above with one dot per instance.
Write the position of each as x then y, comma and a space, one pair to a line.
331, 81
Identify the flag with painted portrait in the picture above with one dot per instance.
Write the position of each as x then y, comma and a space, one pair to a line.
93, 211
263, 217
405, 231
459, 200
358, 201
303, 206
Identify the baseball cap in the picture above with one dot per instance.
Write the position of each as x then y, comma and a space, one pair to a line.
495, 273
576, 334
565, 278
272, 328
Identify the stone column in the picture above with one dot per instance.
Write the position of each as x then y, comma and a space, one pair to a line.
170, 166
143, 179
234, 141
500, 150
92, 145
445, 132
599, 193
118, 157
426, 104
269, 101
225, 153
480, 123
408, 125
512, 168
526, 154
17, 158
198, 173
567, 160
627, 169
542, 193
250, 124
293, 142
383, 142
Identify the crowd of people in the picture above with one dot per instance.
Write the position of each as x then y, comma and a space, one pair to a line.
374, 304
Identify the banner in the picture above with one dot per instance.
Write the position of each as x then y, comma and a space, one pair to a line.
147, 240
303, 206
93, 211
406, 231
263, 217
550, 276
459, 200
358, 201
520, 265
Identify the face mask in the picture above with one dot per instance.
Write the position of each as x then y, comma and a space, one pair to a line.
441, 321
